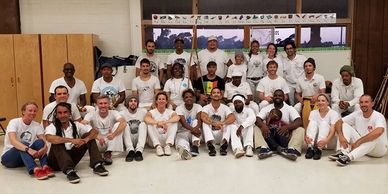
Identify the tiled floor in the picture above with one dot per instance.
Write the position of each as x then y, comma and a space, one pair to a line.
204, 174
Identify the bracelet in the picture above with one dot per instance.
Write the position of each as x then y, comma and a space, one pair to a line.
27, 148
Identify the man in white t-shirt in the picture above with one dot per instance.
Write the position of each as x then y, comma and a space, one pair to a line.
346, 91
237, 86
293, 68
361, 133
309, 86
245, 120
189, 127
269, 84
217, 123
110, 126
212, 53
290, 133
182, 57
69, 142
134, 116
110, 86
157, 67
61, 95
146, 85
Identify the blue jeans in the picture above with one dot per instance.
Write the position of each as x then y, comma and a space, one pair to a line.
14, 158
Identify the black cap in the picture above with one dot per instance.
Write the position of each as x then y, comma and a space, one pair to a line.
179, 39
106, 65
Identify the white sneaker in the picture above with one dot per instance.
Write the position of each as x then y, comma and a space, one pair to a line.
239, 153
159, 151
185, 154
167, 150
249, 151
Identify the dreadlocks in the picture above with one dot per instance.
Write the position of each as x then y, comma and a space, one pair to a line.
57, 123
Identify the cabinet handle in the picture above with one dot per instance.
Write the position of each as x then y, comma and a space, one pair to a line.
11, 80
18, 79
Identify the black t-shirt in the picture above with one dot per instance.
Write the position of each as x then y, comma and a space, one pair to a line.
209, 84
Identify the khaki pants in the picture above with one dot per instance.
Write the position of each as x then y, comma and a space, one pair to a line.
296, 141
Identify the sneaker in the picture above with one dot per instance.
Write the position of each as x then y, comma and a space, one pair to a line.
138, 156
159, 150
309, 153
194, 150
130, 156
185, 154
249, 151
73, 177
108, 158
317, 154
40, 174
336, 156
167, 150
212, 149
287, 153
49, 171
264, 152
223, 149
238, 153
343, 160
100, 170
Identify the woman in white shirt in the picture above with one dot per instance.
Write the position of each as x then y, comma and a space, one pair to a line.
162, 125
176, 85
24, 142
272, 51
256, 68
320, 130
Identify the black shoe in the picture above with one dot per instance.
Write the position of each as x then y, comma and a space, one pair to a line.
100, 170
223, 149
309, 153
288, 153
212, 149
335, 156
194, 150
343, 160
72, 177
264, 153
130, 156
138, 156
108, 158
317, 154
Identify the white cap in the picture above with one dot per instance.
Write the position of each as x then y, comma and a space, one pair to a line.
238, 98
237, 74
212, 38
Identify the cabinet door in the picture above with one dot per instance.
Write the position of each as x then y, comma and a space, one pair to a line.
8, 97
28, 71
54, 55
80, 53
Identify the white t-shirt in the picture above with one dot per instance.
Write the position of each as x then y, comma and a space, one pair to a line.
310, 87
183, 58
289, 114
176, 88
219, 56
278, 59
146, 89
48, 112
256, 67
238, 68
68, 132
268, 86
166, 115
134, 119
24, 133
217, 115
246, 118
103, 125
77, 90
293, 69
189, 115
111, 89
363, 125
155, 61
330, 118
231, 90
350, 93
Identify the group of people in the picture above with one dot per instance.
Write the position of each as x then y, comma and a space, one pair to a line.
254, 104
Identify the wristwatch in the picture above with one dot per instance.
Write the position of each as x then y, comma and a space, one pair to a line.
27, 148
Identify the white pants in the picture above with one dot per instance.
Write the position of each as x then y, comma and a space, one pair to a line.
253, 105
158, 137
216, 135
336, 107
253, 85
246, 137
322, 129
263, 104
298, 107
184, 137
114, 145
291, 95
135, 140
375, 148
88, 110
